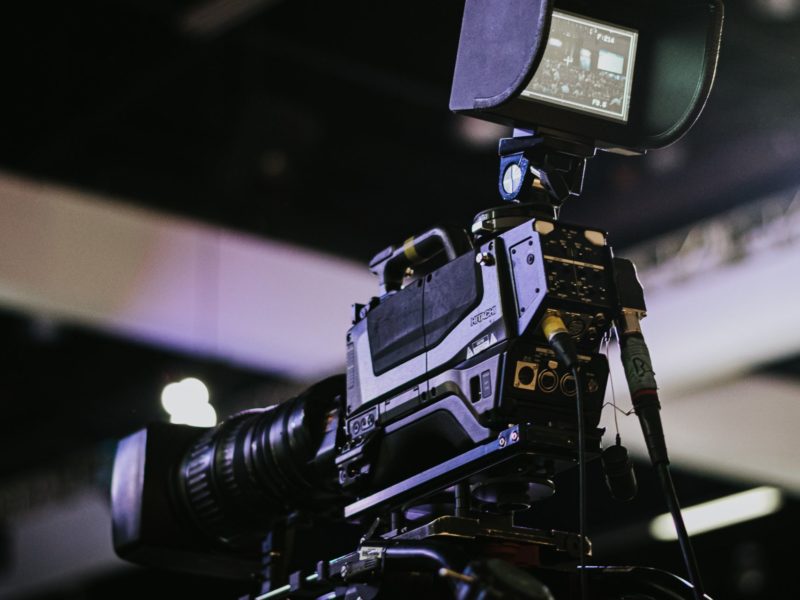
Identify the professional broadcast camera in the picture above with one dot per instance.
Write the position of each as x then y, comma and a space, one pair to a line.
477, 373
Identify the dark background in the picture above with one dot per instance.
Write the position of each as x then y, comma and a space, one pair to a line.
326, 124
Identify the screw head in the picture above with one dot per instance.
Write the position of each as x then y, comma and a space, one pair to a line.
514, 436
502, 442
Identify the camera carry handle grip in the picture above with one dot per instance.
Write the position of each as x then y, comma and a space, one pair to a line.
393, 263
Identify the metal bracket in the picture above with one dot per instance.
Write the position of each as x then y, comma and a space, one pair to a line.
521, 443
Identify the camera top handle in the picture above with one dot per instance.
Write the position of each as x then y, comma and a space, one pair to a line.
394, 263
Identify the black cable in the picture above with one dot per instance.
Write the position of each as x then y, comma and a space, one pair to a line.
644, 395
562, 344
581, 481
668, 486
564, 347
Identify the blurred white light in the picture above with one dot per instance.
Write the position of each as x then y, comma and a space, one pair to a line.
196, 415
187, 403
721, 512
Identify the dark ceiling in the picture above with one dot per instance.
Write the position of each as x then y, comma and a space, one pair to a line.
327, 123
321, 123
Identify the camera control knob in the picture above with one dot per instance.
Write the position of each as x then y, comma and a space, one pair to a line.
512, 178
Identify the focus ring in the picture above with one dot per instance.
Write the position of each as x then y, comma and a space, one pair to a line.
238, 478
198, 487
213, 491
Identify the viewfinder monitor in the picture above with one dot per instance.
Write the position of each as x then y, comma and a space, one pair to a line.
587, 66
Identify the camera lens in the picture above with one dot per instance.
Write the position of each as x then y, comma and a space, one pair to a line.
242, 475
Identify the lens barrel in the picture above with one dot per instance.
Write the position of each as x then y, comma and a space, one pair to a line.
260, 465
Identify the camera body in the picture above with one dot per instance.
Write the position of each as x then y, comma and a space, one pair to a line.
458, 353
452, 362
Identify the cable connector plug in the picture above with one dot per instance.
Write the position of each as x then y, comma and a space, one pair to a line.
619, 473
559, 339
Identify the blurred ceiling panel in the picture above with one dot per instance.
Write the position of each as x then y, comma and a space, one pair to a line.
176, 284
744, 430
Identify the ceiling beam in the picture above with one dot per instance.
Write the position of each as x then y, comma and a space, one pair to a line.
175, 283
285, 309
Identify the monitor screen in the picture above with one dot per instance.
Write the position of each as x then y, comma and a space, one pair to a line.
587, 66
